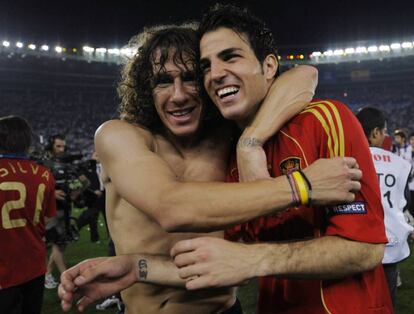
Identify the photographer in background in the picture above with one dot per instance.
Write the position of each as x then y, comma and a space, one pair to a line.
94, 198
69, 187
27, 200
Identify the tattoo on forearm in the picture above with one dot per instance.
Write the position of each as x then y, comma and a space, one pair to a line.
249, 142
142, 269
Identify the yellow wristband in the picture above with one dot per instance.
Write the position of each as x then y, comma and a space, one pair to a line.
301, 185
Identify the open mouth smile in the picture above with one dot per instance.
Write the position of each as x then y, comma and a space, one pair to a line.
227, 91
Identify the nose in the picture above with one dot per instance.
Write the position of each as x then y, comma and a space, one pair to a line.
217, 71
179, 94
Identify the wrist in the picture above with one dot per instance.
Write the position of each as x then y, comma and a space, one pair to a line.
247, 142
263, 264
140, 267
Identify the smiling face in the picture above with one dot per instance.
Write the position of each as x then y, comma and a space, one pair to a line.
233, 76
176, 96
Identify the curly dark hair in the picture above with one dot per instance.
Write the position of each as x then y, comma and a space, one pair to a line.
137, 76
242, 22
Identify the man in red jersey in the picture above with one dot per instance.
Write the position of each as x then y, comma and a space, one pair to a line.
27, 200
326, 260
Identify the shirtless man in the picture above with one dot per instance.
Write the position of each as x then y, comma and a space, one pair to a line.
168, 139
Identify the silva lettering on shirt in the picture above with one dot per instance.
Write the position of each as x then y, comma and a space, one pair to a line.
346, 209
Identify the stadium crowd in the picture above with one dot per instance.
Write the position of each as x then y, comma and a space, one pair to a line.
51, 112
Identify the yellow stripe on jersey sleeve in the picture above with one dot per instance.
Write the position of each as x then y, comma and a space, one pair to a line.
331, 126
340, 128
334, 132
325, 126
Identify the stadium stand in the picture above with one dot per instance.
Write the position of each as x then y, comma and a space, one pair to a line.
74, 93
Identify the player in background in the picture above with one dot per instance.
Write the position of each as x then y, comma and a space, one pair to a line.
393, 175
27, 201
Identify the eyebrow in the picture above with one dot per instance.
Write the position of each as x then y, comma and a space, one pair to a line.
161, 76
165, 76
222, 54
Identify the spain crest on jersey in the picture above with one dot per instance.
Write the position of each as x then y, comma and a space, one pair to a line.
289, 164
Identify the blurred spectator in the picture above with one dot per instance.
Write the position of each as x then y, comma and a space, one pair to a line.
402, 148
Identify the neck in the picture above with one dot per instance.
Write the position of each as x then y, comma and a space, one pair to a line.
246, 121
183, 143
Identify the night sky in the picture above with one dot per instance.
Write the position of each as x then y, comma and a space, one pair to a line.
295, 23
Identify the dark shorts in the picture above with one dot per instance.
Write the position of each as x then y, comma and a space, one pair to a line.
26, 298
235, 309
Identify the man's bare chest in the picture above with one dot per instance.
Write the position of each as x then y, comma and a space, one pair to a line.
200, 163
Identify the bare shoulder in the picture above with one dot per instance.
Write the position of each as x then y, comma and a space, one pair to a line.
116, 130
115, 134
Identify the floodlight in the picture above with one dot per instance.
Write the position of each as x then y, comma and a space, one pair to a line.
88, 49
349, 51
328, 53
385, 48
395, 46
372, 48
407, 45
361, 49
114, 51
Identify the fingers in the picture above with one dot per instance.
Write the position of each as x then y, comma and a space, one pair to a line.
355, 174
350, 162
185, 259
183, 246
355, 186
67, 277
66, 298
190, 272
83, 303
65, 306
90, 274
199, 282
350, 197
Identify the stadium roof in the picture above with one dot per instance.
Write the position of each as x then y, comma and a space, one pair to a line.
295, 23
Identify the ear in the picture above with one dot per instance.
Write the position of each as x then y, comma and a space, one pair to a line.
376, 132
270, 66
371, 137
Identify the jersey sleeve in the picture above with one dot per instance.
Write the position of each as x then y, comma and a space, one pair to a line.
342, 135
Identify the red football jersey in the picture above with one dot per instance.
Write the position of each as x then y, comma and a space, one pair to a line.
325, 129
26, 197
